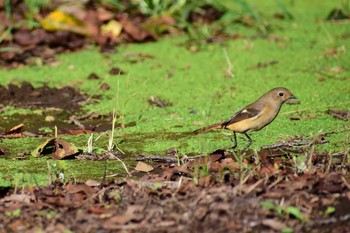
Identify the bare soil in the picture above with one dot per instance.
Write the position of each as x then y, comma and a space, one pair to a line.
61, 107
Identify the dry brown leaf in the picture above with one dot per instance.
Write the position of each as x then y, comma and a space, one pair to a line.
133, 212
92, 183
104, 15
58, 147
64, 149
336, 69
340, 114
16, 129
19, 198
77, 188
143, 167
274, 224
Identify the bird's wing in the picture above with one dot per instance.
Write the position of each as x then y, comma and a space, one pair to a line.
244, 114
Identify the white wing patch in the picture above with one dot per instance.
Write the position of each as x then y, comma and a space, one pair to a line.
254, 117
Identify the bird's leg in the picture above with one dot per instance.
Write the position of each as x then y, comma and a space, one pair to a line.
234, 140
250, 141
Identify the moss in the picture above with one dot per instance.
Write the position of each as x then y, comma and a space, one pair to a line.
201, 94
37, 171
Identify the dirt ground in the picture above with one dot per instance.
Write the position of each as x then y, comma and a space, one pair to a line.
170, 200
60, 107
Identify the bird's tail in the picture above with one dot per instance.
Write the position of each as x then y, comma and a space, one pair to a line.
208, 128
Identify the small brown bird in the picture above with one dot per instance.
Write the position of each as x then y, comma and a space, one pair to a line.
254, 116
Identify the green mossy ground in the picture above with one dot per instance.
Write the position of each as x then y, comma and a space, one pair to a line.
200, 92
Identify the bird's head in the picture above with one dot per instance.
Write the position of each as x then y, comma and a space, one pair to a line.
281, 94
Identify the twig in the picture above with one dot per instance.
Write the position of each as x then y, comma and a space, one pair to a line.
229, 72
74, 119
279, 179
125, 168
345, 182
327, 221
161, 159
253, 186
158, 159
262, 65
291, 144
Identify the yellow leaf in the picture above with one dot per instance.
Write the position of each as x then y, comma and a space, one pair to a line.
58, 20
113, 28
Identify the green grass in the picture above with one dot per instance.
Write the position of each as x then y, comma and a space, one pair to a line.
36, 171
201, 94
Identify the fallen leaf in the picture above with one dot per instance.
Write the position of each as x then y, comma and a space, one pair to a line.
153, 100
116, 71
80, 188
274, 224
205, 14
135, 31
64, 150
133, 212
299, 117
93, 76
143, 167
17, 226
29, 39
104, 15
92, 183
80, 131
19, 198
49, 118
104, 87
159, 25
340, 114
336, 69
58, 147
98, 210
267, 170
15, 130
59, 20
112, 29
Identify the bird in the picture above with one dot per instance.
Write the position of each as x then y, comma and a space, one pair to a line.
254, 116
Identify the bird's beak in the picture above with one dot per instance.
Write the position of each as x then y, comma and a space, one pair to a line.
293, 100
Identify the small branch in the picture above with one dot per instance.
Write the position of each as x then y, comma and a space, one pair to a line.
125, 168
291, 144
328, 221
161, 159
158, 159
229, 72
74, 119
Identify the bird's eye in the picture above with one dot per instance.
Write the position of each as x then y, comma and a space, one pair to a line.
280, 94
